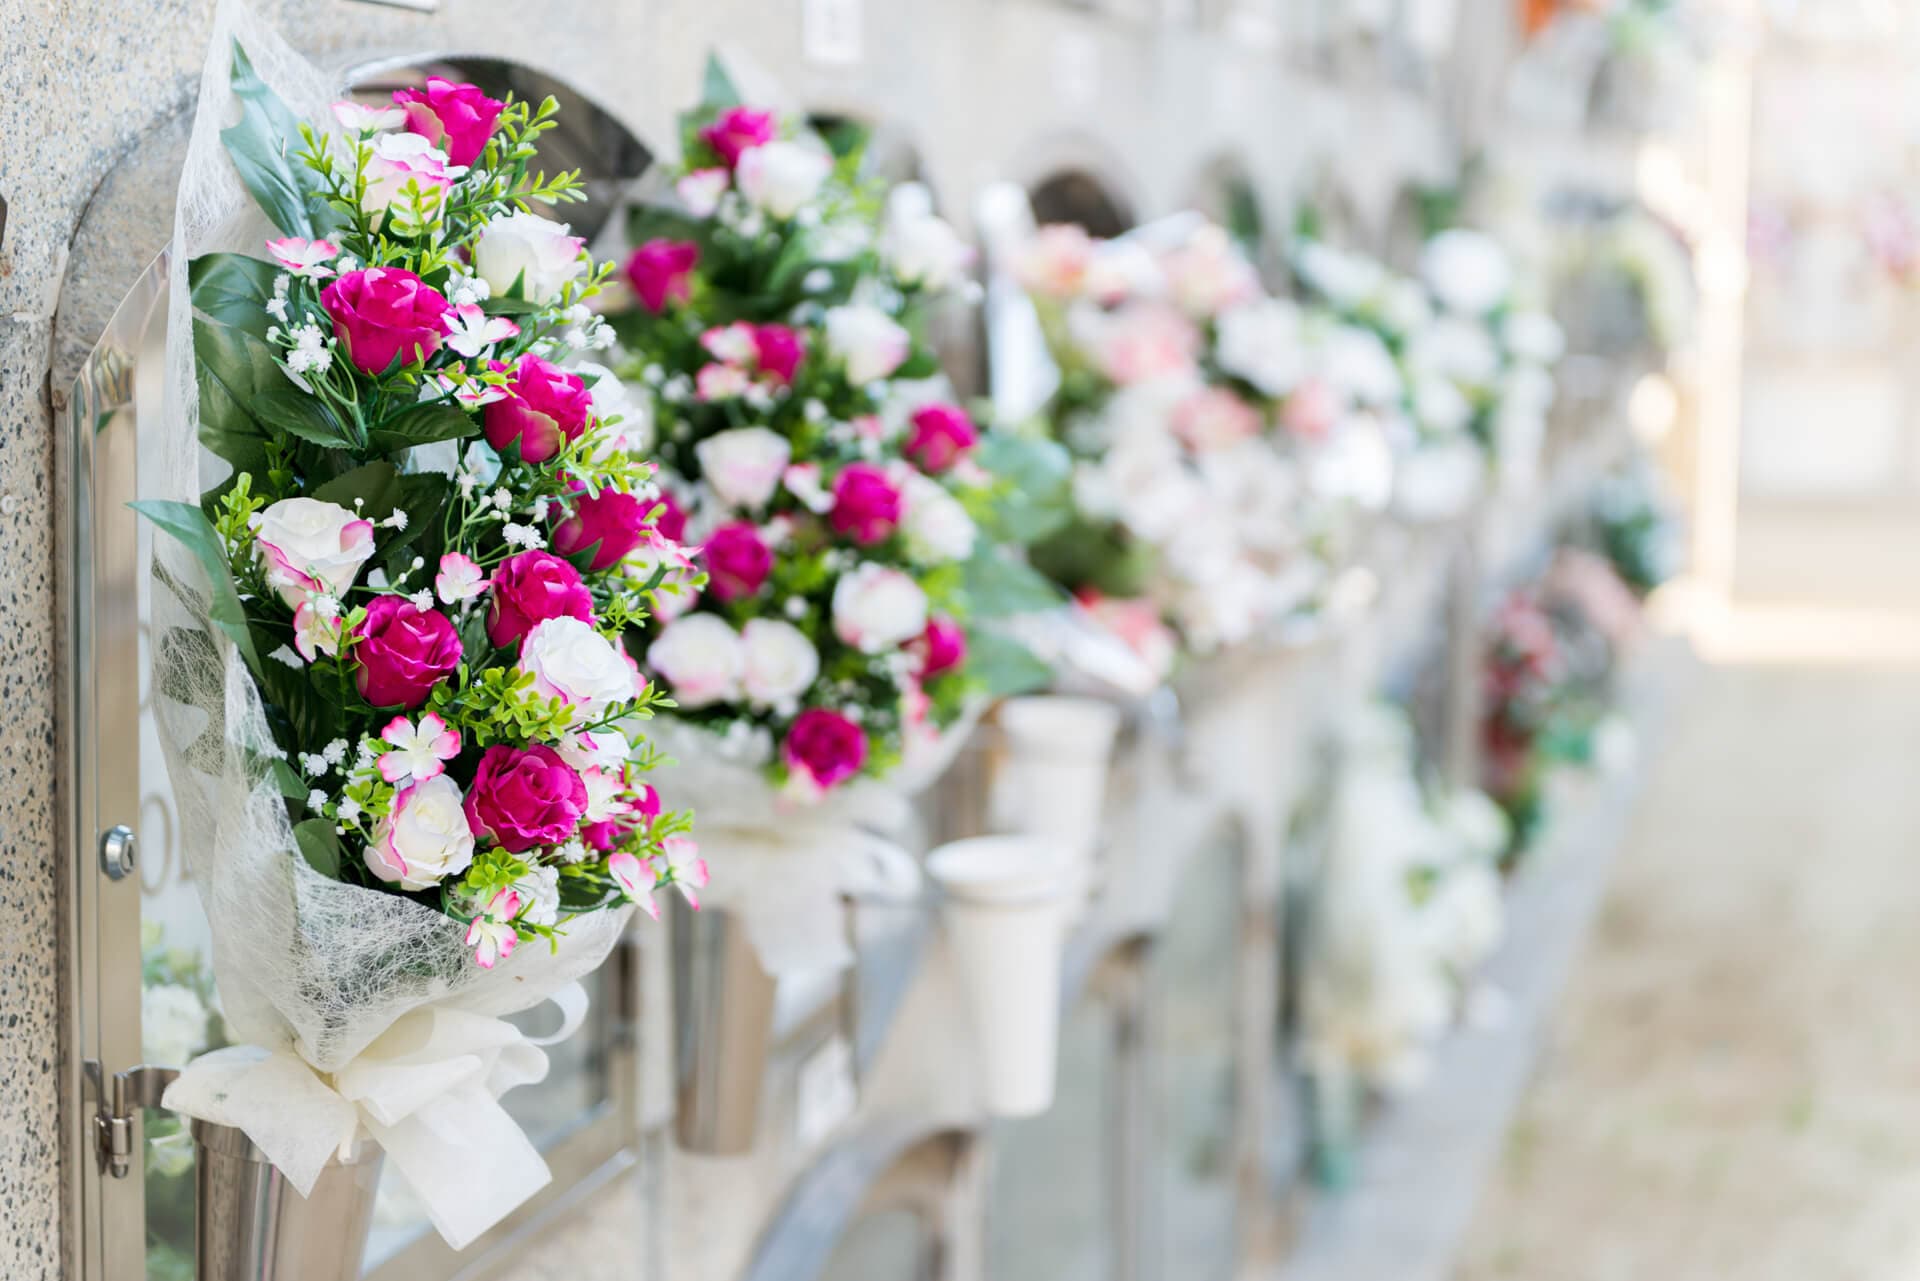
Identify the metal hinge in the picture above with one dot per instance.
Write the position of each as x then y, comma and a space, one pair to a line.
115, 1125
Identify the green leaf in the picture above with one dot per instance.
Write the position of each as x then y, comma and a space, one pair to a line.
1000, 586
187, 523
420, 425
1003, 666
259, 147
228, 372
1035, 495
299, 413
375, 485
320, 846
291, 700
717, 87
288, 782
234, 290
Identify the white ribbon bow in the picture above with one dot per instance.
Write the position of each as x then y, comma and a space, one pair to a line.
427, 1090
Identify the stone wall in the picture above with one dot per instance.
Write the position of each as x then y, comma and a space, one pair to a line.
982, 89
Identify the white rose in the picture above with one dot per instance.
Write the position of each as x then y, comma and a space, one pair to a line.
634, 432
535, 251
1534, 336
173, 1023
674, 595
311, 546
936, 526
1456, 348
876, 608
1467, 271
701, 658
780, 662
1355, 466
1404, 306
1347, 280
868, 340
924, 250
576, 664
779, 178
743, 466
1357, 362
1438, 481
425, 839
1262, 343
1440, 407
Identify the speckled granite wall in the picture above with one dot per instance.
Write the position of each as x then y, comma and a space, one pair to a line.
982, 86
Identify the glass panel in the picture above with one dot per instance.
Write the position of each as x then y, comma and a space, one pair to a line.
1193, 997
1047, 1207
887, 1246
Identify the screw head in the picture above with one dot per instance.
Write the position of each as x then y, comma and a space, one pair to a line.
118, 852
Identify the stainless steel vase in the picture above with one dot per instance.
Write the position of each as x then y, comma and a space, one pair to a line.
723, 1029
253, 1225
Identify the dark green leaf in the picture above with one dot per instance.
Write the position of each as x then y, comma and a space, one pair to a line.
234, 289
999, 586
186, 522
260, 145
288, 782
232, 368
320, 846
376, 487
421, 425
289, 695
298, 413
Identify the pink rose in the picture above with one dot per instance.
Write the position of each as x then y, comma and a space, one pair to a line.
662, 269
942, 647
939, 436
1144, 341
777, 352
384, 313
457, 118
737, 131
528, 589
669, 517
610, 522
545, 407
738, 561
1311, 410
866, 506
825, 748
402, 652
1214, 418
525, 797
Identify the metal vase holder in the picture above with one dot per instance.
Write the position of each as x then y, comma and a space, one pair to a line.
253, 1225
723, 1031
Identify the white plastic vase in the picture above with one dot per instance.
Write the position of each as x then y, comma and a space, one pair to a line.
1052, 781
1006, 916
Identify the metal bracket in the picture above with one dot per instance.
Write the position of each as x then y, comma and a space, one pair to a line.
115, 1125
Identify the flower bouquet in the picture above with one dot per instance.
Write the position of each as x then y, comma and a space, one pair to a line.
829, 636
1439, 467
1218, 457
398, 712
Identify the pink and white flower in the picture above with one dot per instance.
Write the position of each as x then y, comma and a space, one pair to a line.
470, 393
685, 867
316, 630
744, 466
1209, 274
492, 935
460, 578
701, 658
802, 480
302, 257
309, 545
573, 662
470, 330
637, 880
700, 191
539, 255
877, 608
420, 752
606, 794
359, 117
731, 344
721, 382
424, 839
404, 163
936, 526
869, 341
602, 749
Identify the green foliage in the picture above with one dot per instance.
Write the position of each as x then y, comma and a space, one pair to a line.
234, 290
258, 148
998, 586
196, 533
1003, 667
1032, 496
319, 845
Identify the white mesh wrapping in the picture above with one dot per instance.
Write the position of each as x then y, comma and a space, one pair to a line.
306, 966
784, 864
